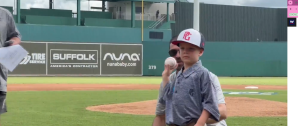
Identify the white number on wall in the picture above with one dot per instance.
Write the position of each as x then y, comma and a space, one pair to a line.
152, 67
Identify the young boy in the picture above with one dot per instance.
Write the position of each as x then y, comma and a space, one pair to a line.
191, 100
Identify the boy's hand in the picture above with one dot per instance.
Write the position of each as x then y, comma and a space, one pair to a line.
167, 72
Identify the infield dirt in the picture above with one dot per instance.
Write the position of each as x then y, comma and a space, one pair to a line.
236, 106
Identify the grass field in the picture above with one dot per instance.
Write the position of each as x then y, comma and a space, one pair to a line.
141, 80
67, 108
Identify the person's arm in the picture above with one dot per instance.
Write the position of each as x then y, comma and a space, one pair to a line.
222, 110
13, 34
221, 99
15, 40
203, 118
166, 83
209, 100
166, 74
159, 119
164, 90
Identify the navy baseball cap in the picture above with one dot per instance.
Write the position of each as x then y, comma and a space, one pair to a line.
191, 36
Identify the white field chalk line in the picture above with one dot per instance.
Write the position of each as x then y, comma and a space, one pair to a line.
251, 87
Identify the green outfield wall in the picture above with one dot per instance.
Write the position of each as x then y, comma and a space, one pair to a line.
227, 58
246, 58
84, 34
102, 51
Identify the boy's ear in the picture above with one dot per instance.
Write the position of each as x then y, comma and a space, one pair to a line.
201, 52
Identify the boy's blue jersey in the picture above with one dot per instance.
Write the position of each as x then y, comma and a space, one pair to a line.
193, 92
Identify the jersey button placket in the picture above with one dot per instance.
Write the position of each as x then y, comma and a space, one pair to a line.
178, 82
179, 79
176, 86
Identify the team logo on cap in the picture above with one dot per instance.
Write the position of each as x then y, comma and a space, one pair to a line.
187, 35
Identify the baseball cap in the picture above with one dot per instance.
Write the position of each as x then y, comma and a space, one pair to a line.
191, 36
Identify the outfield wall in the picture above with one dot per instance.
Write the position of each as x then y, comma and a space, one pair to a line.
147, 59
84, 34
229, 58
246, 58
80, 59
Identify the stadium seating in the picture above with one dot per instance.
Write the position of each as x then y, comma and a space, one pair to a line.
166, 25
113, 23
65, 17
96, 14
50, 20
47, 12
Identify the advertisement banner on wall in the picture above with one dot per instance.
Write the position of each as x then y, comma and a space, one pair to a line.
73, 58
53, 58
121, 59
35, 62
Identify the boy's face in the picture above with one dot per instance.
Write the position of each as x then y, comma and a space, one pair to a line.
190, 53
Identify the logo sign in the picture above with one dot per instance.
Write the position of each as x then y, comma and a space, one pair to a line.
66, 56
186, 36
73, 58
292, 22
35, 62
121, 59
34, 58
132, 57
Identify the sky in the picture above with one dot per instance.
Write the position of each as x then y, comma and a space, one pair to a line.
85, 5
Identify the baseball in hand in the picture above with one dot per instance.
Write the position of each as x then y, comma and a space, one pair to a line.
171, 62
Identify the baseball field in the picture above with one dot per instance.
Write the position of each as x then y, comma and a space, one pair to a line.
130, 101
